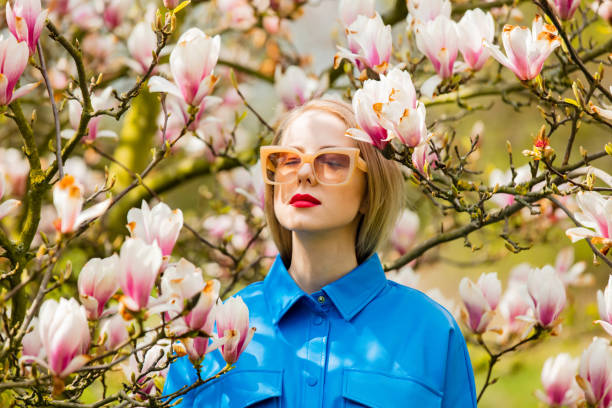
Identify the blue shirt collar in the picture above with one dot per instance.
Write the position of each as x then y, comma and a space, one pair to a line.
350, 293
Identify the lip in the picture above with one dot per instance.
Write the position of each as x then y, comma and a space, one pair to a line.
304, 200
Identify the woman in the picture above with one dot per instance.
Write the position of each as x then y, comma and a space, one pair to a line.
332, 331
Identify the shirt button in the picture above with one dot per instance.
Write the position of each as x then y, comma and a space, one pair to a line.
318, 320
321, 299
311, 380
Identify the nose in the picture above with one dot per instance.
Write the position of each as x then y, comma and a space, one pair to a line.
305, 174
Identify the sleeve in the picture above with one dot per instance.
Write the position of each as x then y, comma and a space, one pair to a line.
459, 387
180, 374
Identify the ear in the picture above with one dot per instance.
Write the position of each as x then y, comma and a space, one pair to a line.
363, 207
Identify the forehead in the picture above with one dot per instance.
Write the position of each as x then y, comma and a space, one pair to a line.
316, 128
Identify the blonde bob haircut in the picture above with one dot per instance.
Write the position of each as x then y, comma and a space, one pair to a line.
385, 187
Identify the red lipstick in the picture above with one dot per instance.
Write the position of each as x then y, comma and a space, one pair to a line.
304, 200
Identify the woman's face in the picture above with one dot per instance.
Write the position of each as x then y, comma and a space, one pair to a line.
339, 205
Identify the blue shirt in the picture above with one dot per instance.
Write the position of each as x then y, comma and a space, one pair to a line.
361, 340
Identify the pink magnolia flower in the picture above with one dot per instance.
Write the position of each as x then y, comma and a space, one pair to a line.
513, 305
526, 49
558, 379
139, 265
159, 224
13, 60
113, 332
68, 202
566, 8
370, 44
388, 108
596, 216
350, 9
474, 28
235, 225
64, 335
181, 281
500, 178
171, 4
141, 43
16, 169
604, 10
195, 347
32, 343
422, 11
423, 157
192, 62
25, 21
97, 283
480, 300
405, 230
295, 88
604, 305
143, 370
570, 272
233, 328
595, 371
114, 11
546, 295
254, 187
99, 101
9, 205
438, 39
238, 14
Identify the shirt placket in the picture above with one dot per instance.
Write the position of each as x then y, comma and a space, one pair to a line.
317, 352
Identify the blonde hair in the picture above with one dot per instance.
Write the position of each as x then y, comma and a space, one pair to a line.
385, 187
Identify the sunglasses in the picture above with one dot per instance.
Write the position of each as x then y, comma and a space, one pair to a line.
331, 165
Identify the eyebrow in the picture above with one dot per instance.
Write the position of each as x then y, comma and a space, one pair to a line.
301, 149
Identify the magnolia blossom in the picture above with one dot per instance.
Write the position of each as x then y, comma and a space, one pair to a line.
405, 230
513, 305
500, 178
99, 101
171, 4
350, 9
195, 347
480, 300
604, 304
233, 327
192, 62
474, 28
239, 14
596, 216
68, 202
141, 44
151, 359
604, 10
13, 60
32, 343
388, 108
570, 272
405, 276
235, 225
181, 281
546, 295
526, 49
423, 157
64, 335
97, 283
16, 169
159, 224
438, 39
370, 43
114, 11
113, 332
25, 21
255, 187
9, 205
422, 11
566, 8
139, 265
558, 379
295, 88
595, 371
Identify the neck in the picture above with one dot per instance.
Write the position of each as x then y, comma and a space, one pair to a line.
321, 257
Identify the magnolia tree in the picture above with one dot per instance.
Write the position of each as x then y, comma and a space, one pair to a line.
107, 104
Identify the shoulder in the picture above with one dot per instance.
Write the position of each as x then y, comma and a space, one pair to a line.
408, 298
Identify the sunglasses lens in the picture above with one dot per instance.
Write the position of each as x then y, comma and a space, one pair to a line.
282, 167
332, 168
